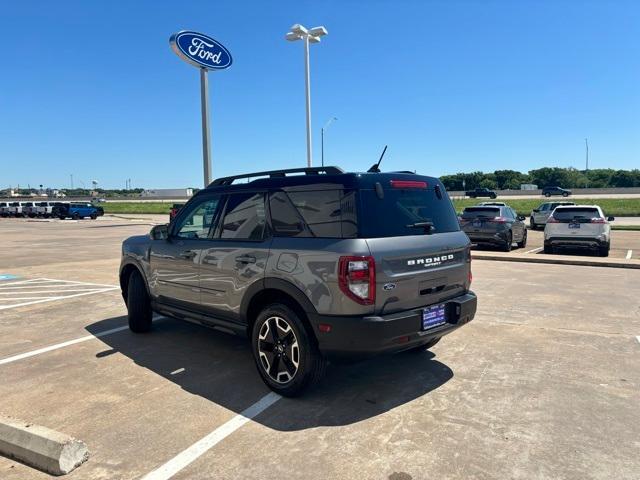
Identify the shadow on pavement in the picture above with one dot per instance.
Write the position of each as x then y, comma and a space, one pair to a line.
220, 368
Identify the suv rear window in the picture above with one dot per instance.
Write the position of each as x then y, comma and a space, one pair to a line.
567, 214
474, 212
391, 216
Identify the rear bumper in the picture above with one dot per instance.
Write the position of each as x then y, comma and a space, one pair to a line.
575, 242
498, 238
360, 337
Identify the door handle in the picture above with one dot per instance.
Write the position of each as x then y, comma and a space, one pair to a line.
188, 254
246, 259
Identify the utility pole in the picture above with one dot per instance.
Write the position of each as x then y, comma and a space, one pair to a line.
586, 171
586, 145
72, 181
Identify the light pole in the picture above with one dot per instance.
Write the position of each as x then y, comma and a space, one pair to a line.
326, 125
298, 32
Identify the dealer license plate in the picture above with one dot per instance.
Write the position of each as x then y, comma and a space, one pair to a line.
574, 225
434, 316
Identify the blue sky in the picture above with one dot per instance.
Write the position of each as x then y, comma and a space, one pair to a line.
92, 88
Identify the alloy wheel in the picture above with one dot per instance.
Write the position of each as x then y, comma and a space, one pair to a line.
278, 349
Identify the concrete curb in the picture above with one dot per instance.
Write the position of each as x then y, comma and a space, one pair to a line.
560, 260
40, 447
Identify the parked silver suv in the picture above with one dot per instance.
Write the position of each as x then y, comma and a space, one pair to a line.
310, 267
540, 215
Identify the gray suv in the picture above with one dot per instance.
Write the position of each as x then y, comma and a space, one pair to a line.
311, 264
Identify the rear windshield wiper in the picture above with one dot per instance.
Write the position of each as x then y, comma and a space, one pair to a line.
427, 226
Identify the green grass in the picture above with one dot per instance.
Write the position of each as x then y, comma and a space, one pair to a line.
631, 228
136, 207
617, 207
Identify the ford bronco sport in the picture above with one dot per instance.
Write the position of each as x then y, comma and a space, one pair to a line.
311, 264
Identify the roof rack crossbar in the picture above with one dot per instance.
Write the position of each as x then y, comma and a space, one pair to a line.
278, 173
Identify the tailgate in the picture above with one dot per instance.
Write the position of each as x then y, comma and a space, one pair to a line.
418, 270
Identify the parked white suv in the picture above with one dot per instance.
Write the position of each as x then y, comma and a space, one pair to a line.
578, 226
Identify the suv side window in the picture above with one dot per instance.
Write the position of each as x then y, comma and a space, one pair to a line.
285, 219
321, 210
198, 222
244, 217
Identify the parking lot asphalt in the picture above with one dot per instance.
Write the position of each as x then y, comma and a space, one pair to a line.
544, 383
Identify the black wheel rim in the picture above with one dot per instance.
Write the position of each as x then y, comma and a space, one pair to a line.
278, 350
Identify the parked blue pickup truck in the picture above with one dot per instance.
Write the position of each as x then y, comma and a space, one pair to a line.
75, 211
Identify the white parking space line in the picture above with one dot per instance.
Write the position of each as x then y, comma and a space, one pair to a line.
534, 250
175, 372
629, 253
638, 338
41, 290
57, 346
199, 448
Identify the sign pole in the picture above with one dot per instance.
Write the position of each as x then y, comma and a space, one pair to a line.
207, 54
206, 136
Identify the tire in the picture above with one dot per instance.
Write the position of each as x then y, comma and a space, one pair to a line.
278, 338
138, 304
426, 346
62, 217
532, 224
75, 216
93, 216
565, 194
548, 249
547, 195
493, 197
523, 243
509, 243
604, 251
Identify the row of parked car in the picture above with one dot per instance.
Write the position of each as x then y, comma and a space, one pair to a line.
488, 193
46, 209
566, 225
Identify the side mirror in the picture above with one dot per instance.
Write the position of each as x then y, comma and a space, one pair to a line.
159, 232
535, 210
610, 219
521, 218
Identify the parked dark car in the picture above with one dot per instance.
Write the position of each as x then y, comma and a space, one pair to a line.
549, 191
99, 209
481, 192
75, 211
174, 210
494, 226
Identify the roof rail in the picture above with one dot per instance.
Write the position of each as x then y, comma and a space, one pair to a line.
278, 173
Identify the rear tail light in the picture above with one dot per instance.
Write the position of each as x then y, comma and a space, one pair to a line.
499, 220
357, 279
408, 184
598, 220
552, 220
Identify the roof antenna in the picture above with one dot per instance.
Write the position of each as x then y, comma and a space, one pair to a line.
375, 168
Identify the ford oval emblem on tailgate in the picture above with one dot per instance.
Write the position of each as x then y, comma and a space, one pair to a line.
389, 286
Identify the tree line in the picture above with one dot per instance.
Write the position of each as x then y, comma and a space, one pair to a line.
544, 177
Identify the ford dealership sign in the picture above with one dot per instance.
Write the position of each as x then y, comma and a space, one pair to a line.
200, 50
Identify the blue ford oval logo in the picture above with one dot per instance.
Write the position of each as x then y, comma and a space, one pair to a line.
200, 50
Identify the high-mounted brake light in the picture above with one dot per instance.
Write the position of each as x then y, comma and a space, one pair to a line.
408, 184
357, 279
